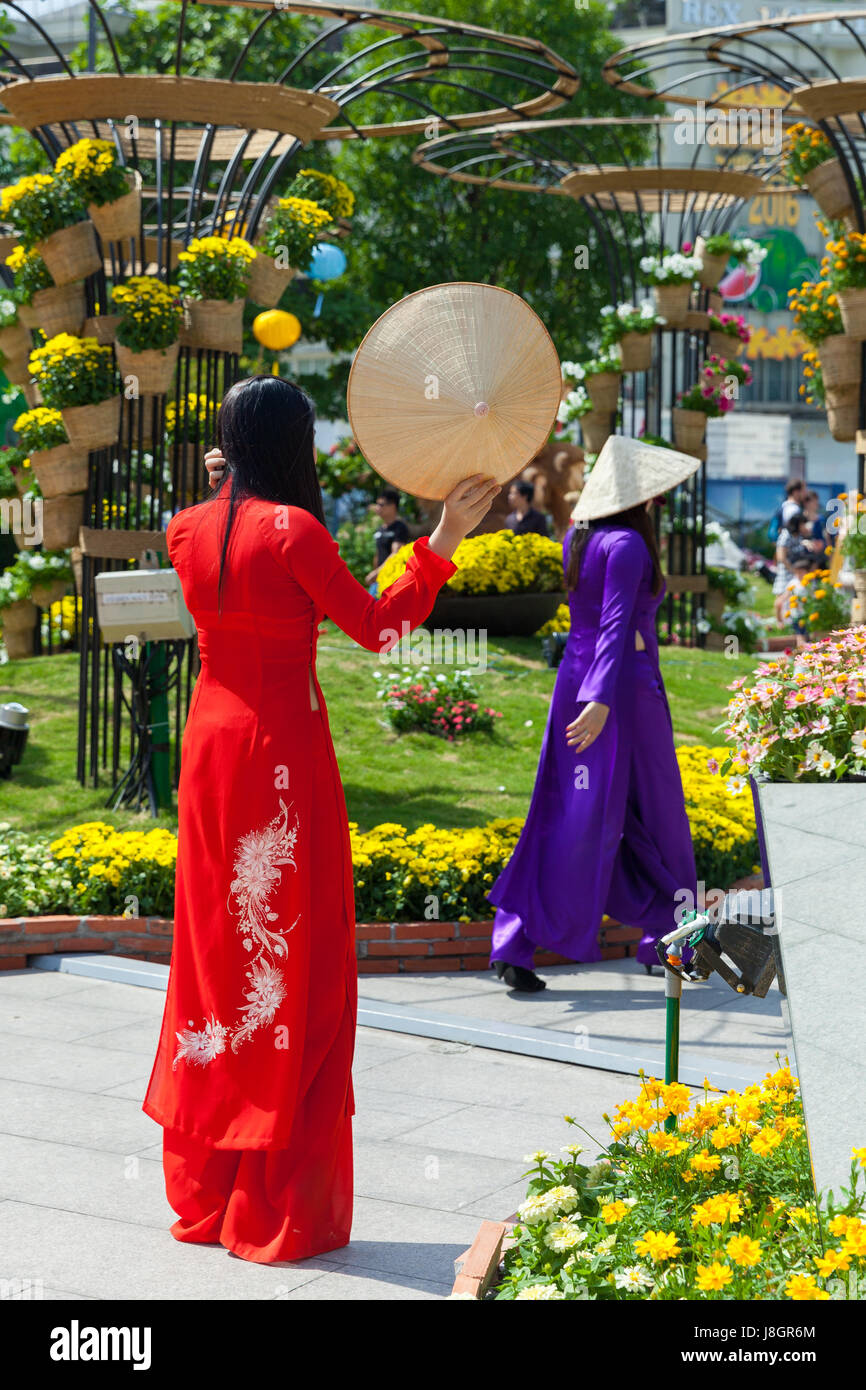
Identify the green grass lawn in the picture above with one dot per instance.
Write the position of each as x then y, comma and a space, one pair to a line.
413, 779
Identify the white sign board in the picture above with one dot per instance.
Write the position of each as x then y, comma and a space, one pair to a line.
715, 14
746, 444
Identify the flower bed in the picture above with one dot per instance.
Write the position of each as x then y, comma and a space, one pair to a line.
499, 563
94, 868
721, 1206
803, 717
446, 705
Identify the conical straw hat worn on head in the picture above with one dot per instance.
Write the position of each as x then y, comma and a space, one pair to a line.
628, 472
453, 380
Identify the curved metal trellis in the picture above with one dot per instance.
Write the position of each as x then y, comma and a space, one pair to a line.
634, 210
794, 54
212, 153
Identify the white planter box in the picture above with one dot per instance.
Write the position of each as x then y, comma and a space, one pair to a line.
815, 837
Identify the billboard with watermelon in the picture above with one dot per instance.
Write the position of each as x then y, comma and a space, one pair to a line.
785, 266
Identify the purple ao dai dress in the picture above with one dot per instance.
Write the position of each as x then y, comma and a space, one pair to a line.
607, 830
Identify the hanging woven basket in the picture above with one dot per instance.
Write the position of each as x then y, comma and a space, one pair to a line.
828, 186
93, 426
62, 470
24, 480
672, 302
15, 342
712, 267
268, 282
43, 595
19, 625
843, 412
841, 358
59, 310
62, 518
17, 370
152, 370
214, 323
637, 352
595, 429
603, 390
690, 427
726, 345
120, 220
102, 327
71, 254
852, 305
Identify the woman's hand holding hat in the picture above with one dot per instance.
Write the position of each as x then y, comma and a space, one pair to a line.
465, 506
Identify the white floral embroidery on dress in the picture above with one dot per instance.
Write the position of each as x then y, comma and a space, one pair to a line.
259, 859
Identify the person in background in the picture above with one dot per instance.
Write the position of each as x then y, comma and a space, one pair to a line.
799, 550
523, 517
780, 531
794, 589
817, 519
392, 533
795, 499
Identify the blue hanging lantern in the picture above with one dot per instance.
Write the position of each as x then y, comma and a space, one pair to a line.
328, 263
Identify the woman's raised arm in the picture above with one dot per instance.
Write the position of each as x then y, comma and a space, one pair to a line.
313, 557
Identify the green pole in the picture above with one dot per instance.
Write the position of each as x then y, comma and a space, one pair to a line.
159, 728
673, 994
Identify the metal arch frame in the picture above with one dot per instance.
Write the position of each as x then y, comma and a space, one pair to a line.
736, 49
379, 56
380, 67
739, 50
543, 147
548, 151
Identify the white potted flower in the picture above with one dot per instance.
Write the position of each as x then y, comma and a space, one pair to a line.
631, 327
600, 376
576, 406
671, 277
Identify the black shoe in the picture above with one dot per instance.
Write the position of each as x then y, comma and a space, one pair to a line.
519, 978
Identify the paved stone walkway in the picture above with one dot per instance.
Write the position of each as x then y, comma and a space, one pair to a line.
441, 1131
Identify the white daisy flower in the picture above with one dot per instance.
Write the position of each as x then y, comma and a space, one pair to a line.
633, 1277
563, 1235
537, 1209
564, 1196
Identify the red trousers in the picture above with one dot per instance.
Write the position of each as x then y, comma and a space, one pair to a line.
263, 1204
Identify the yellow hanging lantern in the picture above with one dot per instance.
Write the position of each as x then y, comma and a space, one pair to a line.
276, 330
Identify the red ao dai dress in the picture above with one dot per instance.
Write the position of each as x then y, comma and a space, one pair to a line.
252, 1077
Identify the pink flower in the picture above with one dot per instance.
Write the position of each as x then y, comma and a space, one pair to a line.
687, 246
712, 765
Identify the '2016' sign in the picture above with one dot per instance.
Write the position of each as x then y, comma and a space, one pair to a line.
774, 210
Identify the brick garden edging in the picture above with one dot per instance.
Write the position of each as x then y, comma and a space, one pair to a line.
382, 948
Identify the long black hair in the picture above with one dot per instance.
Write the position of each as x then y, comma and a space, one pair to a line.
265, 431
634, 519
